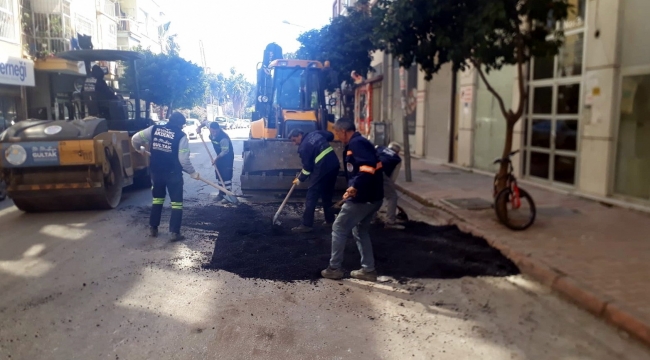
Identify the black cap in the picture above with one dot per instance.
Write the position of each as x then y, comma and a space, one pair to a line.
177, 119
214, 125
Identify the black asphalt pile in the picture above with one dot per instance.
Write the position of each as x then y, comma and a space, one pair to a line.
247, 244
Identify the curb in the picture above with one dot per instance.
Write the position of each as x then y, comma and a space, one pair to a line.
559, 282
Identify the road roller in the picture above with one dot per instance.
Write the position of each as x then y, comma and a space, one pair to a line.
82, 162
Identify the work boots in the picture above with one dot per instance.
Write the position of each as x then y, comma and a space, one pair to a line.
153, 231
177, 237
331, 273
364, 275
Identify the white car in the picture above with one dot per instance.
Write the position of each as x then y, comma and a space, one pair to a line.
191, 128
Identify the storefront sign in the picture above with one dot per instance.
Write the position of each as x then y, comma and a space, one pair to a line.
16, 71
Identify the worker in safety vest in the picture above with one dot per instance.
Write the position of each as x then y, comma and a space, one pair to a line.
321, 166
390, 161
225, 157
170, 156
362, 200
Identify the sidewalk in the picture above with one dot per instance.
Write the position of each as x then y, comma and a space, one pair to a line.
598, 256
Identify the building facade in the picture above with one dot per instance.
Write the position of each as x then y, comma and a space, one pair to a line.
16, 71
141, 23
587, 122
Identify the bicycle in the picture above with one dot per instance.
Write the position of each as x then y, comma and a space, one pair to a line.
515, 196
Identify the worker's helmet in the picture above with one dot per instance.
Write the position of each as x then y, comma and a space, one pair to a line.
177, 119
395, 146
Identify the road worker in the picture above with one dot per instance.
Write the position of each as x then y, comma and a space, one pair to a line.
170, 156
390, 161
362, 200
321, 166
225, 157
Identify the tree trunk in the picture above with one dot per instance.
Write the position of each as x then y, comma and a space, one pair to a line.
502, 176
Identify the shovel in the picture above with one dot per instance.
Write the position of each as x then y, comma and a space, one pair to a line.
229, 195
277, 214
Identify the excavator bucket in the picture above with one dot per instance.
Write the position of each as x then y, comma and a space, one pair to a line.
270, 165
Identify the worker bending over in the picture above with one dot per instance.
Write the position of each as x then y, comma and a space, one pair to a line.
170, 156
362, 200
321, 166
390, 161
225, 157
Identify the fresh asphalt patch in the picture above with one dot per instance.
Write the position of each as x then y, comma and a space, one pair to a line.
248, 245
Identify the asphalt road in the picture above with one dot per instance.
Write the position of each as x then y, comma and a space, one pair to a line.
91, 285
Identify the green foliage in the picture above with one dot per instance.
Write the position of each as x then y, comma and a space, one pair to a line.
346, 42
169, 79
234, 89
478, 32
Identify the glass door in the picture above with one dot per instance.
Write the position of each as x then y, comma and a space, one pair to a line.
551, 138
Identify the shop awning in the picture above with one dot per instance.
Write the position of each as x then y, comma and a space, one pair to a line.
62, 66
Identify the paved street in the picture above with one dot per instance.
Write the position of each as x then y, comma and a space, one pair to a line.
91, 285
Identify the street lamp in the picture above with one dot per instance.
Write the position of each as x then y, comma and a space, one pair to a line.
289, 23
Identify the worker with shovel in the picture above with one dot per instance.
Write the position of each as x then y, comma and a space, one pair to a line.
170, 157
390, 161
363, 199
225, 158
321, 166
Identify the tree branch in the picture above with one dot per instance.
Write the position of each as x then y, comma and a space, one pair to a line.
477, 65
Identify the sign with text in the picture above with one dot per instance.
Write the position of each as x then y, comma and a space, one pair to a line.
16, 71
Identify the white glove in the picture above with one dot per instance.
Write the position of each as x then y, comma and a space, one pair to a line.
141, 150
195, 175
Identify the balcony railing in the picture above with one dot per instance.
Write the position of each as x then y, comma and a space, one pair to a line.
125, 24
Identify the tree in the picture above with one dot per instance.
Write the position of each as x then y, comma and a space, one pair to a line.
170, 80
346, 42
217, 84
290, 55
485, 35
238, 89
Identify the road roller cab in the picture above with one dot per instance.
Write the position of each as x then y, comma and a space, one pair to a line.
81, 163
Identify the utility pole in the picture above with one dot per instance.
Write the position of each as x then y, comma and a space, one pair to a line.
405, 127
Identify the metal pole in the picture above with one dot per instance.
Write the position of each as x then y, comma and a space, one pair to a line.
405, 127
137, 90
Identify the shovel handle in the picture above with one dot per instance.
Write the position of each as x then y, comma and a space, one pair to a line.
211, 158
218, 187
286, 198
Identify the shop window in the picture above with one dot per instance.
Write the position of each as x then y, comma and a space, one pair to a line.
541, 134
566, 135
539, 164
633, 148
568, 99
543, 68
543, 100
570, 57
564, 169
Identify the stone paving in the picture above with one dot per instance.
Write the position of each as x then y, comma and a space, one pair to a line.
595, 254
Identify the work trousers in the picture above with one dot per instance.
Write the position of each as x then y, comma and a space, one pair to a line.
323, 189
225, 170
390, 198
163, 183
355, 217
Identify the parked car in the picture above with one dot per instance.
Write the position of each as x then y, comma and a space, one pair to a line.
222, 121
191, 128
231, 123
243, 123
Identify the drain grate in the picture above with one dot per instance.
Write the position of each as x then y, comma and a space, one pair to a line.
469, 203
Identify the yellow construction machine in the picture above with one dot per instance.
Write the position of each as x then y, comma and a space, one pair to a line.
82, 162
290, 95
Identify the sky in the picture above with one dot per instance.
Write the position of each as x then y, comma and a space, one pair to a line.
235, 32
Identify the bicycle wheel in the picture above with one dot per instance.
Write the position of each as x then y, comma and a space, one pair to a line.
515, 219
